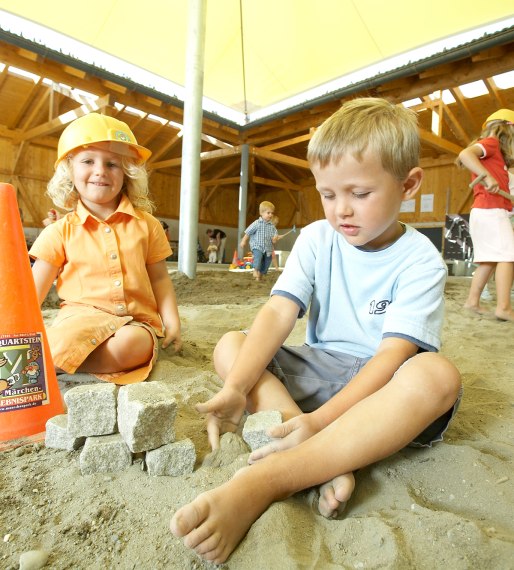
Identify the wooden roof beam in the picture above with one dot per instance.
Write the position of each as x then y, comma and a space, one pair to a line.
438, 142
220, 182
215, 142
495, 93
278, 157
58, 123
288, 142
462, 102
276, 184
209, 155
165, 148
455, 126
34, 104
4, 75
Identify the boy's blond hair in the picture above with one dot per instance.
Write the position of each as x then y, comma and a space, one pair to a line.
263, 206
369, 123
64, 194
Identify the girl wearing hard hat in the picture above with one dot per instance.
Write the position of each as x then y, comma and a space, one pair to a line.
488, 159
108, 255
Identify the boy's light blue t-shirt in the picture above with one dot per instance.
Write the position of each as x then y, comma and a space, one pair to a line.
357, 297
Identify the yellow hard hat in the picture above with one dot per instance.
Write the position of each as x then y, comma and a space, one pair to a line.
500, 115
95, 128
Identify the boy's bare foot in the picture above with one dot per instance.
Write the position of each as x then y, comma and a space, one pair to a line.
476, 309
334, 495
217, 520
504, 315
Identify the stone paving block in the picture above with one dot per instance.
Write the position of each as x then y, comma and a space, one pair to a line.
105, 454
256, 426
146, 415
57, 435
173, 459
92, 409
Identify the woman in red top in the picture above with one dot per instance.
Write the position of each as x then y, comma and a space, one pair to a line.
491, 231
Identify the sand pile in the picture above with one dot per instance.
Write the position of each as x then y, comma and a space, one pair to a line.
449, 507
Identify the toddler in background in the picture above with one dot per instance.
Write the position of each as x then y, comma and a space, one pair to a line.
212, 250
261, 235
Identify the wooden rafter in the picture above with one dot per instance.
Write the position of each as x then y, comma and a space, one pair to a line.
279, 157
441, 144
56, 124
209, 155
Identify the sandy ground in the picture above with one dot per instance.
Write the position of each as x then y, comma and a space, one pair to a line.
451, 507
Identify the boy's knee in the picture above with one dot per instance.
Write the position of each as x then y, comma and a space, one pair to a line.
442, 378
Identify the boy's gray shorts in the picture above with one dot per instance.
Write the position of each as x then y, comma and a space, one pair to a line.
313, 375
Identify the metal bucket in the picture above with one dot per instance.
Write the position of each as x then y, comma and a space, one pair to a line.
460, 268
282, 256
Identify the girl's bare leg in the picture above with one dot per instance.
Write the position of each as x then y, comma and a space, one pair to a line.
268, 394
381, 424
504, 277
478, 282
129, 348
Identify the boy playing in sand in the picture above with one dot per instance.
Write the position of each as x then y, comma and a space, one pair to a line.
369, 380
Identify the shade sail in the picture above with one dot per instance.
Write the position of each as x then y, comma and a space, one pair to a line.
259, 53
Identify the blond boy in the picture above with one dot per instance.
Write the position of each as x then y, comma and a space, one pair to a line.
261, 234
369, 379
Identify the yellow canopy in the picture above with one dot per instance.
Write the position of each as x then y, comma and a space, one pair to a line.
259, 53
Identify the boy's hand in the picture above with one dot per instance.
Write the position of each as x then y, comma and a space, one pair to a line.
288, 434
224, 412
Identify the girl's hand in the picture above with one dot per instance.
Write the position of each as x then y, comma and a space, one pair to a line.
172, 336
491, 184
287, 435
224, 412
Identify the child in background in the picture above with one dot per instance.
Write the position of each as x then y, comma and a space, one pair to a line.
166, 229
108, 256
52, 216
261, 234
489, 222
369, 379
220, 239
212, 250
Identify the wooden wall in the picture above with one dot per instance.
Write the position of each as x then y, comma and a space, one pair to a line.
447, 184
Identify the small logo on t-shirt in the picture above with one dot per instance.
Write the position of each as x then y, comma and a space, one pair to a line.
378, 307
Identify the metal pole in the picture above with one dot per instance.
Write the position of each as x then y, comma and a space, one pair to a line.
191, 142
243, 195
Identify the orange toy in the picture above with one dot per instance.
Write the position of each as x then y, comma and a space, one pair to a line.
29, 394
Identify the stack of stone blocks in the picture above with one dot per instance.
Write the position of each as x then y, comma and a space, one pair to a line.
112, 424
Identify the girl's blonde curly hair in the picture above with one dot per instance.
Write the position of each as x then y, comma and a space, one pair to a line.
64, 195
504, 132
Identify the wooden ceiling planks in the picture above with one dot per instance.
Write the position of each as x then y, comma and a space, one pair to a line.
31, 113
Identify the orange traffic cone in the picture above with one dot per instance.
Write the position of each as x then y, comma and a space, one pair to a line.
29, 393
235, 260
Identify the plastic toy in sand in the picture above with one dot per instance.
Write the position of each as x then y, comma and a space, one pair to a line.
239, 265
